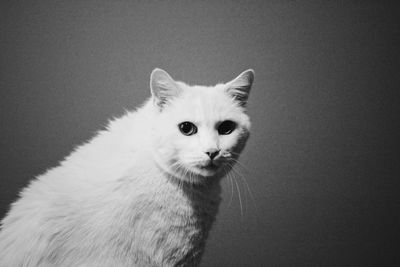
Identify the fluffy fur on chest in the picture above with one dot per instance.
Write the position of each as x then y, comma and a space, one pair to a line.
112, 226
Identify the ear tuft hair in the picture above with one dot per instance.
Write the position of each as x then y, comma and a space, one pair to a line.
239, 88
163, 87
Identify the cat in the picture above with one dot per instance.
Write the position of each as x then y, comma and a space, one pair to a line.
143, 192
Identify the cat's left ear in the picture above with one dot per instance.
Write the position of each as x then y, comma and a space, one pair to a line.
239, 88
163, 87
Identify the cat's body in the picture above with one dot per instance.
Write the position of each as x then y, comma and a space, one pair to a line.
137, 194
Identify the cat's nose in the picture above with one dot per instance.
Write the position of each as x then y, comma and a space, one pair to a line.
212, 153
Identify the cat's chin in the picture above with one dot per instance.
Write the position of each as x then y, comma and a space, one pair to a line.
199, 174
207, 172
202, 172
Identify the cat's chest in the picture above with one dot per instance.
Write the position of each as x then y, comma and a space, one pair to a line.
166, 226
173, 215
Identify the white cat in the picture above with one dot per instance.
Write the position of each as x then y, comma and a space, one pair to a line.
144, 192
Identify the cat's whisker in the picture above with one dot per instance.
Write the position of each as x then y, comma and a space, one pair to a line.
176, 166
228, 175
234, 153
240, 181
185, 171
189, 173
240, 164
240, 198
231, 197
234, 174
243, 179
176, 163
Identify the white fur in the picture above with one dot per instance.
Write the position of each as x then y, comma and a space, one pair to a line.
136, 194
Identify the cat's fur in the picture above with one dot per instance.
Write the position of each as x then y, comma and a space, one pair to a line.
140, 193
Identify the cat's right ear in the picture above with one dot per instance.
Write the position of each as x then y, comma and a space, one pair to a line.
163, 87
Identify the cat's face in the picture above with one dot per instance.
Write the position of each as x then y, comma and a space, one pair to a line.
200, 131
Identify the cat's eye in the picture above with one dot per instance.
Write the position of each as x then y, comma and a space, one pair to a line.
226, 127
187, 128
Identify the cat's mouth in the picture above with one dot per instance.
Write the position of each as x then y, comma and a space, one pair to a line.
209, 166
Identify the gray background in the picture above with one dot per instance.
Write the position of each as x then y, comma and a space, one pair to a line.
321, 161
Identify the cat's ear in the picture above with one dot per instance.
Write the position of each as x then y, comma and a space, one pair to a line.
163, 87
239, 88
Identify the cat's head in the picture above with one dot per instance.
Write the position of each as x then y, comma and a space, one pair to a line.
199, 130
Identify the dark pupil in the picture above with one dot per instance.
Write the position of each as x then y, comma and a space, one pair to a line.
226, 127
187, 128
